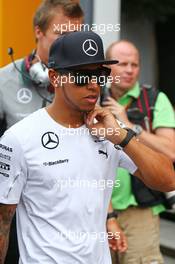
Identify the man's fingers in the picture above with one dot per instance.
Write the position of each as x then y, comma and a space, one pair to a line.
113, 244
113, 104
98, 113
91, 116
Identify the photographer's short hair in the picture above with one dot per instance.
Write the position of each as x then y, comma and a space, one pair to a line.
48, 8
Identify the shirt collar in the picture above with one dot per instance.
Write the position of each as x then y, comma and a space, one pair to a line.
133, 92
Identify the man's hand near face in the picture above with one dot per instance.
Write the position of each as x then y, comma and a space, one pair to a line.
148, 167
102, 122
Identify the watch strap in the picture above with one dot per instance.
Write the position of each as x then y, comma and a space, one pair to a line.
113, 214
130, 134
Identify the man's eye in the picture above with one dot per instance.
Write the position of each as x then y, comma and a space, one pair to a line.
57, 32
134, 65
122, 64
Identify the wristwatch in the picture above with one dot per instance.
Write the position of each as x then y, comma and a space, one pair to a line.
130, 134
113, 214
137, 129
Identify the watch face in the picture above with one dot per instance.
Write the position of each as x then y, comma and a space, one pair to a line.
138, 129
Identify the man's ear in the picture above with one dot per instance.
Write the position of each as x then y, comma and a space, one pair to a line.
54, 78
38, 33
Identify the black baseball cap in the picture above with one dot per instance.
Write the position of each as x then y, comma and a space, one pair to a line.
77, 49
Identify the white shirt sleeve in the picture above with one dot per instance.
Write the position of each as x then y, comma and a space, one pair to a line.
13, 169
126, 163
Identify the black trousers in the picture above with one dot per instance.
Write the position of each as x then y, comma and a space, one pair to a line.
12, 256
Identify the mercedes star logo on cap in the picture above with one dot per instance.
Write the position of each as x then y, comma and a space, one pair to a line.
90, 47
50, 140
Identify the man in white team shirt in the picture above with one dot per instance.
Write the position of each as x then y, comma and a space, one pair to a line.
53, 161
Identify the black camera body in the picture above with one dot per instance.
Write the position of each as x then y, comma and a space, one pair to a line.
105, 93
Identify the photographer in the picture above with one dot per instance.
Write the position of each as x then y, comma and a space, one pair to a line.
149, 113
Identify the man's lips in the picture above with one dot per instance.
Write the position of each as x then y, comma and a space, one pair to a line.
127, 79
91, 98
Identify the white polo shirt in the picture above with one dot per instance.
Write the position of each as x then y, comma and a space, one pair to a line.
61, 178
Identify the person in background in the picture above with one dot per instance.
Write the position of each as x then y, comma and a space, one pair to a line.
150, 114
24, 84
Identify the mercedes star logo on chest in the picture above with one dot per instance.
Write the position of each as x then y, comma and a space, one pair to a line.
24, 96
50, 140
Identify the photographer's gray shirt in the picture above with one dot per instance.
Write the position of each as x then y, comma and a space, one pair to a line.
18, 95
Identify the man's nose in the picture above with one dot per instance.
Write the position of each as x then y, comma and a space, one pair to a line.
93, 85
129, 68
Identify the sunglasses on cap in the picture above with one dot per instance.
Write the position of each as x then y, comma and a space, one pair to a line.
84, 76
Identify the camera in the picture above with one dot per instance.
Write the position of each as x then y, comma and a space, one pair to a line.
105, 93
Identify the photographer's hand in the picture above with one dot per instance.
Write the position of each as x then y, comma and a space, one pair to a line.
117, 110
